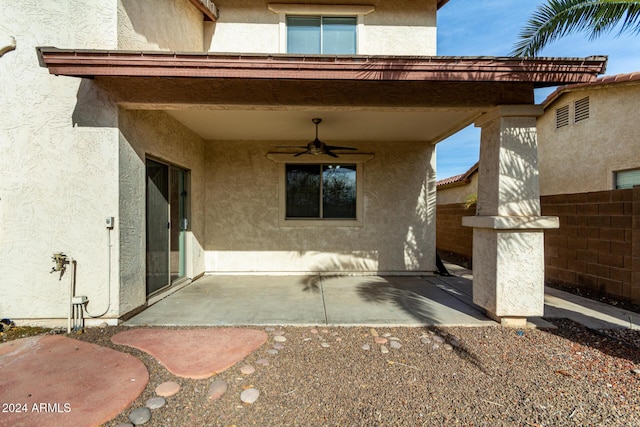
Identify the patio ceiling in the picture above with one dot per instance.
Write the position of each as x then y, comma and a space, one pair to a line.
274, 97
336, 126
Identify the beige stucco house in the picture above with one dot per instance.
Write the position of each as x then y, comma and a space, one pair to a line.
153, 142
592, 130
590, 178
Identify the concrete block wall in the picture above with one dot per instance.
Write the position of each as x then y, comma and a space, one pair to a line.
597, 246
453, 241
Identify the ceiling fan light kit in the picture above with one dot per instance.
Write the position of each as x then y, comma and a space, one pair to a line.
317, 147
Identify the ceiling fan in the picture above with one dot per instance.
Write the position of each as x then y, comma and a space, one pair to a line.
317, 147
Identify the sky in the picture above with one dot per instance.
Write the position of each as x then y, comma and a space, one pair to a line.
491, 28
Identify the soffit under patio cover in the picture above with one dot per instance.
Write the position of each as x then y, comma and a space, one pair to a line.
274, 97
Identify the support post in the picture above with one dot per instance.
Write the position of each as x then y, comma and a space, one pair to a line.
508, 240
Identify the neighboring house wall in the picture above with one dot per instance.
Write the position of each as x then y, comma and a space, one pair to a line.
242, 214
57, 151
596, 246
173, 25
582, 157
406, 27
459, 193
593, 248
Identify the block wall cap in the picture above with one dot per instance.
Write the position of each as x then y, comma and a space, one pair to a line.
512, 222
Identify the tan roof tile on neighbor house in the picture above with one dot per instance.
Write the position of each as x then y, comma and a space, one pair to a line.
463, 178
601, 81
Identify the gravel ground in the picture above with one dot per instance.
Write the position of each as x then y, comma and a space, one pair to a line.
490, 377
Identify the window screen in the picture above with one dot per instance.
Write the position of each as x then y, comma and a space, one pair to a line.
321, 35
627, 179
303, 34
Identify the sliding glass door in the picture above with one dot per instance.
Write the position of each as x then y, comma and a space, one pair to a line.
166, 221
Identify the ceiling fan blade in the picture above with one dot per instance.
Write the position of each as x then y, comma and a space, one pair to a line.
300, 154
330, 153
333, 147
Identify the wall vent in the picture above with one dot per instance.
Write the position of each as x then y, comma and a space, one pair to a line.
562, 116
581, 107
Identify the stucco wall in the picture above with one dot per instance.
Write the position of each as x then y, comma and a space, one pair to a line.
155, 134
243, 235
56, 155
458, 193
173, 25
406, 27
582, 157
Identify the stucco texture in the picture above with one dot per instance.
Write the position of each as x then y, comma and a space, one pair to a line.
172, 25
160, 136
242, 214
405, 27
582, 157
56, 155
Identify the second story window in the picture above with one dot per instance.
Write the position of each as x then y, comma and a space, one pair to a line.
332, 35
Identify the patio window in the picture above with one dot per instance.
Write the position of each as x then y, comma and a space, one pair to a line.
321, 191
334, 35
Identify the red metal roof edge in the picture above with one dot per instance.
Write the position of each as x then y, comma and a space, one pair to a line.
456, 180
601, 81
540, 71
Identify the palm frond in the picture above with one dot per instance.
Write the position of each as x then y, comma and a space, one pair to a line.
558, 18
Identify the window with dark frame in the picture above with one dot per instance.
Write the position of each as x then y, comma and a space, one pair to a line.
320, 191
334, 35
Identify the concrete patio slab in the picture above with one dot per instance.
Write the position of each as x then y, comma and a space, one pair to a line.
238, 300
315, 300
358, 301
397, 301
203, 352
59, 381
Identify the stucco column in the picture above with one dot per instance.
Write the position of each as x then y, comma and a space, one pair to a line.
508, 241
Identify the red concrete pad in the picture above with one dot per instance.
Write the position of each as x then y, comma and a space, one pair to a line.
194, 353
58, 381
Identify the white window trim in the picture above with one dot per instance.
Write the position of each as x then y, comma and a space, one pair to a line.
287, 158
284, 9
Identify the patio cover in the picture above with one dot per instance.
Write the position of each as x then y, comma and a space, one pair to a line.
450, 91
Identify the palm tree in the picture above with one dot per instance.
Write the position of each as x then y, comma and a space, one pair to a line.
557, 18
